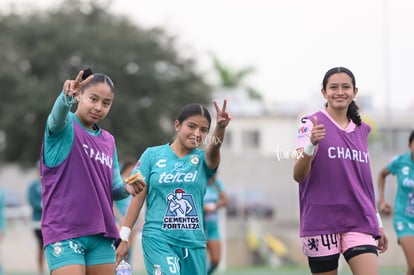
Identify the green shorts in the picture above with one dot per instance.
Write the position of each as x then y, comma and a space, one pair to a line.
212, 230
166, 259
89, 250
403, 226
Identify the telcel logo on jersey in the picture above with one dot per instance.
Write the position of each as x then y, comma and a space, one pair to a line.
177, 177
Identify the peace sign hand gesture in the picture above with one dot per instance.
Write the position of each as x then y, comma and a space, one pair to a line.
73, 87
223, 117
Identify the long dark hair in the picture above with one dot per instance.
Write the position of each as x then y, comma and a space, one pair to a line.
97, 78
353, 109
194, 109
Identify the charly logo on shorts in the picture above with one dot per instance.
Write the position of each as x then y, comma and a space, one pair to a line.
157, 269
57, 249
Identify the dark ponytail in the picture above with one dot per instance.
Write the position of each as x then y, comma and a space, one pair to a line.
97, 78
353, 113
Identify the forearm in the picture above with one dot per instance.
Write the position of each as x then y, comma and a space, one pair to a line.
223, 201
213, 147
119, 191
381, 189
117, 213
302, 167
220, 204
381, 184
134, 209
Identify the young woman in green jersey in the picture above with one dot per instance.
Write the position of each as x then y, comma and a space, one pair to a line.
176, 175
403, 167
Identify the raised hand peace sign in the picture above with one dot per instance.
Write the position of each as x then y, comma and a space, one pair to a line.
73, 87
223, 117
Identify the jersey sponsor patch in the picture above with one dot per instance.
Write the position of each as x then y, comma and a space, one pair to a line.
304, 128
181, 212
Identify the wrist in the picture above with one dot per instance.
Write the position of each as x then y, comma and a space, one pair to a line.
309, 148
124, 233
379, 220
68, 100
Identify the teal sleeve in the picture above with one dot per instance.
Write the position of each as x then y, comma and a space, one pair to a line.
119, 191
392, 166
2, 214
59, 115
59, 133
144, 166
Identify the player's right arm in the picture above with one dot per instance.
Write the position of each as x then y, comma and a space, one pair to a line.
383, 207
143, 167
58, 117
306, 147
134, 208
59, 134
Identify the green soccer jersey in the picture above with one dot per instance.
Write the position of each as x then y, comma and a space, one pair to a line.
403, 167
176, 188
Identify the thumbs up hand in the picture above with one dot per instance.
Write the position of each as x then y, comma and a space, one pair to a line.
318, 132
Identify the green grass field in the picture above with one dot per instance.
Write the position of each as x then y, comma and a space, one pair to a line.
286, 270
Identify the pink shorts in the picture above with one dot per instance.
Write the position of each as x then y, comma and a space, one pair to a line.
331, 244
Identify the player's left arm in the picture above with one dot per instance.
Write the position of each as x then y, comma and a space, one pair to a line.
213, 148
119, 191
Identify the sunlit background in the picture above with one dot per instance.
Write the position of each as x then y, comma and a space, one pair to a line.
290, 43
